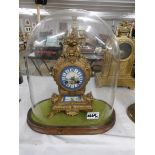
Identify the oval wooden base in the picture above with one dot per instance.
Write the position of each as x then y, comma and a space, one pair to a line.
131, 112
69, 130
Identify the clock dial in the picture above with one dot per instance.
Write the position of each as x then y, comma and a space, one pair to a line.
72, 78
125, 50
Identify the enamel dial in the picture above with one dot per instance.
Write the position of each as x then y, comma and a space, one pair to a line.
72, 78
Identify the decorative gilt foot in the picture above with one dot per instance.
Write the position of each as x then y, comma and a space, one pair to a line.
51, 114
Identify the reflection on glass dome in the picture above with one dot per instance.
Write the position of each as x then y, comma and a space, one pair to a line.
64, 53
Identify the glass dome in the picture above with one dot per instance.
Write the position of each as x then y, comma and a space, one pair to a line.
64, 60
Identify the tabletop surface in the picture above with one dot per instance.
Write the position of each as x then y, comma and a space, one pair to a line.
117, 141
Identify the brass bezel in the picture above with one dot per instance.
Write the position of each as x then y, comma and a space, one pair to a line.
124, 39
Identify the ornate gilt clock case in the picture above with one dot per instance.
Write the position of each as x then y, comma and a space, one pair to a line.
127, 59
63, 95
71, 73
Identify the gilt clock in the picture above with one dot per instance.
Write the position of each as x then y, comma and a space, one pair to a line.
126, 63
72, 73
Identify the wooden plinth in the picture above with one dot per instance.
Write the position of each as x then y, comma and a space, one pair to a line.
69, 130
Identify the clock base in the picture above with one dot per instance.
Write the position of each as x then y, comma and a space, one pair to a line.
73, 125
73, 105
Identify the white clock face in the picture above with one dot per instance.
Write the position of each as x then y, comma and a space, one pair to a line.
72, 78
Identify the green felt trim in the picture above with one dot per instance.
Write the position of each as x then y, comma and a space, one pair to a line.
61, 119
